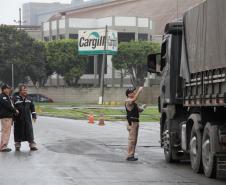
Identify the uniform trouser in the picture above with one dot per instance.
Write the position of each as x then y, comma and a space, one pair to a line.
6, 124
133, 134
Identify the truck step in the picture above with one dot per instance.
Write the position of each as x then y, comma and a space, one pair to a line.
221, 167
180, 153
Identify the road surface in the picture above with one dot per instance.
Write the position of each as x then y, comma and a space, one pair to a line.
73, 152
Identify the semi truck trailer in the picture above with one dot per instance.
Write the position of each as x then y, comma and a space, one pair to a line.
192, 101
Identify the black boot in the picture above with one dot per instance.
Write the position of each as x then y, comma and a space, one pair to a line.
131, 158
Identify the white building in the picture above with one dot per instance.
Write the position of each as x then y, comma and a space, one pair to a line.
133, 19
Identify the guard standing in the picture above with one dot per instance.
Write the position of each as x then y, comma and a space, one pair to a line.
6, 114
133, 111
23, 129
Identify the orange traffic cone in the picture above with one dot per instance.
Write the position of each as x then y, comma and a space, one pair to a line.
91, 118
101, 120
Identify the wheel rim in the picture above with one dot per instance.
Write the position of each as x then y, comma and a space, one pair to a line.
193, 148
206, 153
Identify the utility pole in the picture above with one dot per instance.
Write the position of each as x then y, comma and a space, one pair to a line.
12, 76
20, 20
101, 97
12, 67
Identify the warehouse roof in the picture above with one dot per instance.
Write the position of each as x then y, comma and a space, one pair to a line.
160, 11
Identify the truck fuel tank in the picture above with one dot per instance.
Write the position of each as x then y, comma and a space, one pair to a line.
183, 136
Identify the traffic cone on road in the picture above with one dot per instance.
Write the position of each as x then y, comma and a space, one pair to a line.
101, 120
91, 118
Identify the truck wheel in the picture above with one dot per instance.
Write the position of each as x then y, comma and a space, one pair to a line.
208, 160
167, 144
196, 150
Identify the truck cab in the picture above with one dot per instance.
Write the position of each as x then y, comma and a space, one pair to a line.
189, 130
167, 64
171, 91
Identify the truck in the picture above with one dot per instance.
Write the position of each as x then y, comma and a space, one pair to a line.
192, 100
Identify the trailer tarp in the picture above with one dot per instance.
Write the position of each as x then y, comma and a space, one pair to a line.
204, 44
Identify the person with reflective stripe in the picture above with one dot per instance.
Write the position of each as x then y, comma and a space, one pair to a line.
23, 129
133, 111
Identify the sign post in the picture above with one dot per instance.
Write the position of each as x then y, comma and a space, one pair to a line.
101, 96
98, 42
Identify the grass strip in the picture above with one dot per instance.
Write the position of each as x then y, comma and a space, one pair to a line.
150, 114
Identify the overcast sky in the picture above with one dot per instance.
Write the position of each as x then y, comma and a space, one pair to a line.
9, 9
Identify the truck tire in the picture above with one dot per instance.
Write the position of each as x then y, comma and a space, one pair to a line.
208, 160
167, 144
196, 149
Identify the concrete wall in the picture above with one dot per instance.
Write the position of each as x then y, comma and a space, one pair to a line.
90, 95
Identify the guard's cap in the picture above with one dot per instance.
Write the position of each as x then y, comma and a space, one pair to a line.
130, 90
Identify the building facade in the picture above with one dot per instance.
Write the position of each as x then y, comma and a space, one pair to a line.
36, 13
133, 19
33, 31
128, 28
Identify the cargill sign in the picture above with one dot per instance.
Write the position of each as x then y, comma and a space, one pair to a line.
91, 42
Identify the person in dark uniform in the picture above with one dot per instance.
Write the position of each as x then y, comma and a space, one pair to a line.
133, 111
6, 115
23, 129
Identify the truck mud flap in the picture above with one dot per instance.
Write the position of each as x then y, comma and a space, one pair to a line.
178, 153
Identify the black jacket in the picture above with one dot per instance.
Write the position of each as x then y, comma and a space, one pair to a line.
6, 107
23, 129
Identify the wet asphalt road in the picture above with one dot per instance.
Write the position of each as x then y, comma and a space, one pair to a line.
77, 153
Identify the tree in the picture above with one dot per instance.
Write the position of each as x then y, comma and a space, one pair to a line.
132, 58
26, 55
63, 58
38, 69
14, 48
